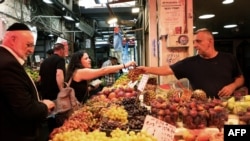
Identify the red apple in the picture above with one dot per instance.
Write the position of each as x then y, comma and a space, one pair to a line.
120, 93
128, 89
128, 94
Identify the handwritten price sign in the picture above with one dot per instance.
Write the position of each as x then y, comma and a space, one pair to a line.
161, 130
143, 82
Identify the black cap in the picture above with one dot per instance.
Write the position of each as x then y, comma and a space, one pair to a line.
18, 26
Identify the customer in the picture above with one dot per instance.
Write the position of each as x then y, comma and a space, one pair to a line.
217, 73
49, 52
22, 111
52, 72
110, 78
80, 70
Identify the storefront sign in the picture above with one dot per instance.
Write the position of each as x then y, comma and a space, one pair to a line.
172, 17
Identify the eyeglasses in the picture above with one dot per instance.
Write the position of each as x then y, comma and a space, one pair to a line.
30, 45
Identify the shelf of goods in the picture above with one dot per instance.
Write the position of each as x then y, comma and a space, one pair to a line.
117, 113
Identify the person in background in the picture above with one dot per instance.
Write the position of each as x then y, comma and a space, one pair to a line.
49, 52
216, 73
52, 72
51, 78
22, 111
80, 70
110, 78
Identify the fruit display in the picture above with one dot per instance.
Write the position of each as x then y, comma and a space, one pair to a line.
194, 114
238, 104
34, 74
115, 135
162, 91
150, 91
122, 80
197, 114
199, 95
80, 120
119, 107
118, 92
165, 110
115, 113
136, 113
206, 134
134, 74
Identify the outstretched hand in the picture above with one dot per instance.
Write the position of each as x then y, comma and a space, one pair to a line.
143, 68
130, 64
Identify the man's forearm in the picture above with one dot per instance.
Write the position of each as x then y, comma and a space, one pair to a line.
60, 79
239, 81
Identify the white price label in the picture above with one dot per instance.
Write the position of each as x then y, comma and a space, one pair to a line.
143, 82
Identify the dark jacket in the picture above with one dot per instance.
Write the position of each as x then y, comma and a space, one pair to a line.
21, 112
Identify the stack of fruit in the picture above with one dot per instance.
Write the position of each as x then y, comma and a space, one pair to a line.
238, 104
197, 114
136, 113
114, 117
165, 110
150, 91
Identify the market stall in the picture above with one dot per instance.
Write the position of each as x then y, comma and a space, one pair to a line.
125, 112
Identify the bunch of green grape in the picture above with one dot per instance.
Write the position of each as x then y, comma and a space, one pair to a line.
116, 135
117, 113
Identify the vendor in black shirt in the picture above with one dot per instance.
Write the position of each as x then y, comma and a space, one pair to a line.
217, 73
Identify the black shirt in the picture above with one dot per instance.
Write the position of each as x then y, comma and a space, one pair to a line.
49, 87
210, 75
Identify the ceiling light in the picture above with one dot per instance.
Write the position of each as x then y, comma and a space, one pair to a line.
68, 17
135, 10
51, 35
48, 1
77, 24
215, 32
227, 1
230, 26
112, 20
206, 16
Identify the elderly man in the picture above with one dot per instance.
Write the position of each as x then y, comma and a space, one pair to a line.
22, 111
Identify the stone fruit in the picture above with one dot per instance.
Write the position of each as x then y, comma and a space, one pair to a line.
112, 95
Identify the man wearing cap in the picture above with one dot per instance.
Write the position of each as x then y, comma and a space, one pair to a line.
52, 71
22, 111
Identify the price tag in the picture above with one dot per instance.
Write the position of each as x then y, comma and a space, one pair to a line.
143, 82
161, 130
132, 84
